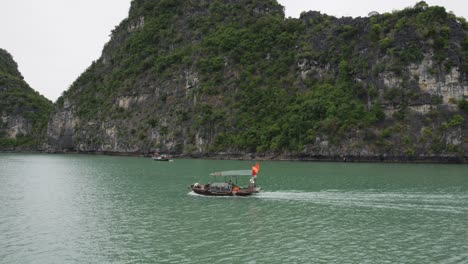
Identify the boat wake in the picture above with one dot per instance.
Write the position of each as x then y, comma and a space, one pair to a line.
404, 200
192, 193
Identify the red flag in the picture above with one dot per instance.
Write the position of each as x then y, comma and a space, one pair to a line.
255, 169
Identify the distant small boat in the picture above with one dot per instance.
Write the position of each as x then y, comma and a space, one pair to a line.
161, 157
231, 187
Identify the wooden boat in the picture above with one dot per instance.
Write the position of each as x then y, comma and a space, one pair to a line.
230, 186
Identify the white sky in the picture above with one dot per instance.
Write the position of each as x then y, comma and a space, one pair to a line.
54, 41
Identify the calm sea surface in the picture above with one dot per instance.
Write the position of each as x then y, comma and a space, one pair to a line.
102, 209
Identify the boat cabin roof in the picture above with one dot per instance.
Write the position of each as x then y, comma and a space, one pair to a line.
233, 173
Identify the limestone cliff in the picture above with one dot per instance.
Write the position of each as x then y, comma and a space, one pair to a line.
236, 77
23, 112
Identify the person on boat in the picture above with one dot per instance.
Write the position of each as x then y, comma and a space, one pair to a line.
235, 189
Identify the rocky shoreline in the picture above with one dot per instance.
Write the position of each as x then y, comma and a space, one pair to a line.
446, 159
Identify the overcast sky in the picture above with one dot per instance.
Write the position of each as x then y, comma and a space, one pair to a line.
54, 41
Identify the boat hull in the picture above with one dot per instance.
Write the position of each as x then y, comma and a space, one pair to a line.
208, 192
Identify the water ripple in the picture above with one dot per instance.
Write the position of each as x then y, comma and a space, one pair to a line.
97, 209
448, 203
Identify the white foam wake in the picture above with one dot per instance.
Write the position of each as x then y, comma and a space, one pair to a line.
449, 203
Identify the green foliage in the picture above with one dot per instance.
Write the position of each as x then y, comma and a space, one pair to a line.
410, 152
18, 100
463, 105
437, 146
153, 122
465, 44
426, 133
421, 5
386, 133
456, 120
347, 32
411, 54
273, 121
20, 141
385, 43
375, 32
210, 65
8, 66
392, 94
401, 23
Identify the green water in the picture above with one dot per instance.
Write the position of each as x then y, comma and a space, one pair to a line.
101, 209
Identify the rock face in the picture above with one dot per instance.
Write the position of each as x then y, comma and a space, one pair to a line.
23, 112
15, 126
235, 77
449, 86
61, 127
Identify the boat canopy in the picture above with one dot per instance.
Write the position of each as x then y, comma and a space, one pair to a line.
232, 173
